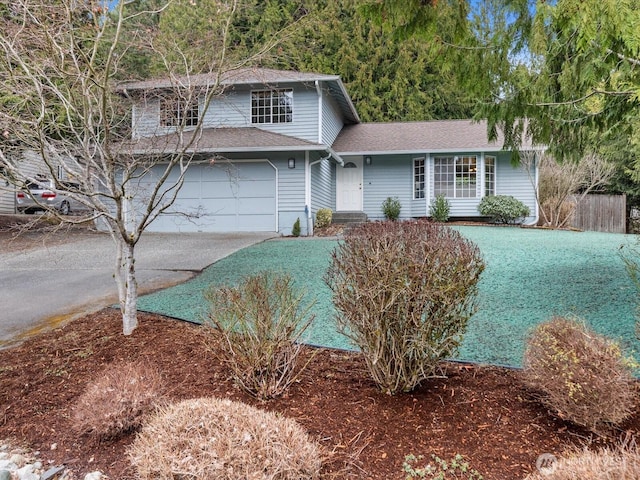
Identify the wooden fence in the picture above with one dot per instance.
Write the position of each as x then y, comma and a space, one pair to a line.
602, 213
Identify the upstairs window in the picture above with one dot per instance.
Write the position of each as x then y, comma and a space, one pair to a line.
455, 177
418, 178
489, 176
177, 112
272, 106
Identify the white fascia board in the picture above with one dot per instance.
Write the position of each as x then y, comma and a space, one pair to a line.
421, 152
234, 150
352, 107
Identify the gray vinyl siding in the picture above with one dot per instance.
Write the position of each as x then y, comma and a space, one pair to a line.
515, 181
146, 118
387, 176
291, 193
233, 109
7, 197
331, 120
323, 192
419, 208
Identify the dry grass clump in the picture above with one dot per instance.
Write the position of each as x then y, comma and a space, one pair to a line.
210, 438
117, 401
580, 375
602, 464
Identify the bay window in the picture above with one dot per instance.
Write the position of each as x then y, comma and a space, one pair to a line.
455, 177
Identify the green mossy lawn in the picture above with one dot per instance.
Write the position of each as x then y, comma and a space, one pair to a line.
531, 275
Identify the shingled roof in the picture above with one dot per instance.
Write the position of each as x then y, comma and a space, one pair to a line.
411, 137
227, 140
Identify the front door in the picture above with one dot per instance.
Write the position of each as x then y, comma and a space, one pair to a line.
349, 185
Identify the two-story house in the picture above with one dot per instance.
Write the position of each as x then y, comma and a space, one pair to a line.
285, 144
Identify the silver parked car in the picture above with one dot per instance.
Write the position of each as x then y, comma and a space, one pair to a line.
44, 195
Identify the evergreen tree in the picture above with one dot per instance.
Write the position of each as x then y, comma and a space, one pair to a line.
388, 78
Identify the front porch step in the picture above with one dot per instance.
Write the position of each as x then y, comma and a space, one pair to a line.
349, 217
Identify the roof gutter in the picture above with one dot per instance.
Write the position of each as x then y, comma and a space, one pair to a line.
332, 154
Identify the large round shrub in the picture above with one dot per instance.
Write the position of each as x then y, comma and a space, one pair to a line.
207, 438
503, 208
579, 375
404, 292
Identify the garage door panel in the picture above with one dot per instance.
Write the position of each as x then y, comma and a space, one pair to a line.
238, 197
223, 206
190, 190
249, 223
218, 190
255, 206
256, 189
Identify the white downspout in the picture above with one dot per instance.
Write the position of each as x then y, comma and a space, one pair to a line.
307, 193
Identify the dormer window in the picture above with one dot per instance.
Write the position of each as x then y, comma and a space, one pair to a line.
272, 106
176, 112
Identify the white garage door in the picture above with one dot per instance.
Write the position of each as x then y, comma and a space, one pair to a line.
225, 197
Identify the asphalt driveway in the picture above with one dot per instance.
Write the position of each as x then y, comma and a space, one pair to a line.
52, 283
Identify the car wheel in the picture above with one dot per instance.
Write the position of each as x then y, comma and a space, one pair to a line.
65, 209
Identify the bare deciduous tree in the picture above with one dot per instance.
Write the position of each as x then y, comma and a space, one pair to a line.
562, 186
59, 66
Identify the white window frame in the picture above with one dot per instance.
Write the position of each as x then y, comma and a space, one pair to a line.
460, 177
175, 112
490, 163
272, 106
419, 178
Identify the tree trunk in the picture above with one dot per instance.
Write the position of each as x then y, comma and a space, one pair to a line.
127, 287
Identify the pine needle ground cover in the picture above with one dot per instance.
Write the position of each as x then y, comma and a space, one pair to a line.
530, 276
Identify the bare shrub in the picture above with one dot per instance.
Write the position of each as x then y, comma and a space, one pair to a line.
210, 438
261, 322
404, 292
117, 401
603, 464
562, 186
579, 375
560, 214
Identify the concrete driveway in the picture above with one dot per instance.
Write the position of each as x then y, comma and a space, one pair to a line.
52, 283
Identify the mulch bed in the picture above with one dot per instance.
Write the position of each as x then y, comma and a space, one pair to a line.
481, 412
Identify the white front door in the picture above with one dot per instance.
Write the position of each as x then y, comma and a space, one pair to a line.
349, 185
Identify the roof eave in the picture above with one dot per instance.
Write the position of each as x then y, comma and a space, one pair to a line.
288, 148
421, 151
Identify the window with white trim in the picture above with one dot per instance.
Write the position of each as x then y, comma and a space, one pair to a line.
455, 177
272, 106
489, 176
418, 178
176, 112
